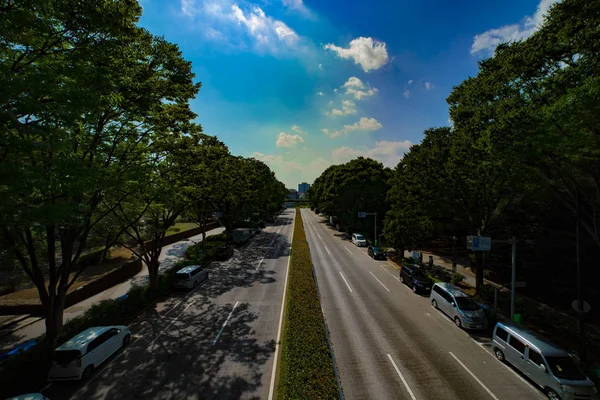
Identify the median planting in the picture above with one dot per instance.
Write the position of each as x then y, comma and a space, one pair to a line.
306, 370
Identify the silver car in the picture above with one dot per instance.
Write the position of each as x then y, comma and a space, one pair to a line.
189, 277
550, 367
459, 306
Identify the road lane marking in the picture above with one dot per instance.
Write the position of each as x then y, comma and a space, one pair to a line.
259, 263
350, 289
402, 377
327, 249
381, 283
278, 340
319, 236
474, 377
348, 250
382, 267
225, 324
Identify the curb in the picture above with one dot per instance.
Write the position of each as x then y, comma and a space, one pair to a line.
18, 328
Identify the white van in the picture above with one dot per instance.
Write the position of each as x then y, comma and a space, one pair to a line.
189, 277
550, 367
79, 356
359, 240
459, 306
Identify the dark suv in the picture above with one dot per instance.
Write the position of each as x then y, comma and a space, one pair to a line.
224, 252
376, 253
415, 278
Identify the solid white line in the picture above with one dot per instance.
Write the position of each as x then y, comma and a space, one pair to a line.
327, 249
398, 279
381, 283
274, 370
401, 377
258, 266
474, 377
348, 250
225, 324
346, 282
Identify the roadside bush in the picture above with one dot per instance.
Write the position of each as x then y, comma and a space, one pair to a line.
306, 370
456, 278
221, 237
195, 254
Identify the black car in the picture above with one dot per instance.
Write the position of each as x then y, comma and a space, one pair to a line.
376, 253
415, 278
224, 252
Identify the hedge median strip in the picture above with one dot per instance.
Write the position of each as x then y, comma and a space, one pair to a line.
307, 368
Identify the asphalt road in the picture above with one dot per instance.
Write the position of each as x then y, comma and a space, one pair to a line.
216, 342
389, 343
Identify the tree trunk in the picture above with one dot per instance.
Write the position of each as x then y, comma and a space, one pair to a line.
203, 239
54, 310
153, 272
478, 271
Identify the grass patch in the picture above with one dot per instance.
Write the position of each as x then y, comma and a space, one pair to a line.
181, 226
306, 369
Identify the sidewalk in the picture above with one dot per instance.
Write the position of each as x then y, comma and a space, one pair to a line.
35, 327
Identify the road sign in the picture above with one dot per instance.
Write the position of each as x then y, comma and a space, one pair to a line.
586, 306
362, 214
479, 243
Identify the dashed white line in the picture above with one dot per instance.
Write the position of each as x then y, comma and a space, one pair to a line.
319, 236
412, 396
327, 249
259, 263
381, 283
225, 323
349, 288
348, 250
474, 377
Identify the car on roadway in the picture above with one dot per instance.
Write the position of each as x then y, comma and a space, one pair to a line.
548, 366
359, 240
415, 278
459, 306
320, 214
376, 253
77, 358
189, 277
29, 396
224, 252
20, 348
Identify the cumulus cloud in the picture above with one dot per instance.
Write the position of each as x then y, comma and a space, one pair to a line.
487, 42
348, 107
262, 27
320, 94
292, 172
366, 52
364, 124
355, 87
297, 129
410, 82
387, 152
406, 93
427, 85
287, 140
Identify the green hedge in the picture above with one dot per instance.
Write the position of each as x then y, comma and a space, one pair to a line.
37, 360
195, 252
306, 369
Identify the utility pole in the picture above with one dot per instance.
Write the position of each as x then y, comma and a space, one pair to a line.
580, 313
513, 279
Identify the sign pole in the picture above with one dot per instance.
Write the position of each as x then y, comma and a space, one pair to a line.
513, 279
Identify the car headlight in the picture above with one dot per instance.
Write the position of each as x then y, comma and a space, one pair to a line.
466, 317
566, 388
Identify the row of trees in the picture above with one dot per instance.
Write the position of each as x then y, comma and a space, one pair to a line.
524, 152
98, 143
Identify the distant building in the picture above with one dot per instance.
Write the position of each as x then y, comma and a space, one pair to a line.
303, 187
301, 195
293, 194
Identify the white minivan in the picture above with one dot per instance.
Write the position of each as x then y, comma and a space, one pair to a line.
359, 240
79, 356
549, 366
459, 306
189, 277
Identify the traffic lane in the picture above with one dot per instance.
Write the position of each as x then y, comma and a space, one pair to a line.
418, 318
197, 315
398, 366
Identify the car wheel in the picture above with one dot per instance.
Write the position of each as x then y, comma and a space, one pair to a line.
434, 303
499, 354
414, 288
457, 322
87, 372
401, 279
195, 283
552, 395
126, 340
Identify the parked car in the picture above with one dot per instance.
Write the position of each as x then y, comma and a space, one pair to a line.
189, 277
320, 214
29, 396
223, 253
415, 278
459, 306
376, 253
18, 349
77, 358
550, 367
241, 235
359, 240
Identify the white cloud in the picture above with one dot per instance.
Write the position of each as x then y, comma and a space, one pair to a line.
488, 41
387, 152
355, 86
320, 94
297, 129
406, 93
293, 172
427, 85
297, 5
368, 53
348, 107
320, 66
364, 124
410, 82
262, 27
287, 140
335, 90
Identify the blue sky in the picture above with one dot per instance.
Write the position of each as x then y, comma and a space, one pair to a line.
304, 84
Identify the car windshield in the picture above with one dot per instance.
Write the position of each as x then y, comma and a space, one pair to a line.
66, 356
565, 368
360, 237
467, 304
182, 276
419, 275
